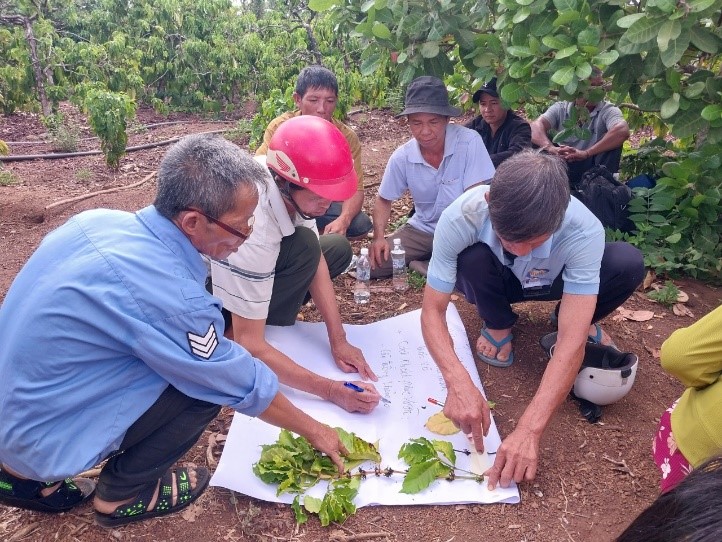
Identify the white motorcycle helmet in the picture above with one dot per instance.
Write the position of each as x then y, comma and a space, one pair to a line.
606, 374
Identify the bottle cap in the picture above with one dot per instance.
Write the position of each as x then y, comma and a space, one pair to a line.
397, 241
364, 251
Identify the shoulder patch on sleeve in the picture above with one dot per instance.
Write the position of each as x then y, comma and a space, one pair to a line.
203, 345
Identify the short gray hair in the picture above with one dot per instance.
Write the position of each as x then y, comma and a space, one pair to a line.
528, 196
205, 171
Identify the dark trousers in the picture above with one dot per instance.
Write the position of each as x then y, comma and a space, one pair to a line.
360, 224
296, 266
159, 438
609, 159
493, 288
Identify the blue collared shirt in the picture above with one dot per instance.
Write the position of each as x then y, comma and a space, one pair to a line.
575, 249
109, 310
465, 164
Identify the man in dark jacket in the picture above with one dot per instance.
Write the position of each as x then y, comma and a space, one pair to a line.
504, 133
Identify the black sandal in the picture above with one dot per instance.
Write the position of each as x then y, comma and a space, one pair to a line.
137, 509
26, 494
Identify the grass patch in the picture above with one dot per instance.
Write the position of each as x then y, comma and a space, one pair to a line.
7, 178
416, 280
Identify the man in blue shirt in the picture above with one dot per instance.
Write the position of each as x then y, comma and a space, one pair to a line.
113, 349
522, 238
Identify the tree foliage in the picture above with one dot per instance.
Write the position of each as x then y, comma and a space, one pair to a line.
663, 56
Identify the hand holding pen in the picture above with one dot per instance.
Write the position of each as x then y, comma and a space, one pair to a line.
364, 399
354, 387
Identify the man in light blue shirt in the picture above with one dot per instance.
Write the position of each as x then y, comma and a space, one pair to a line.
522, 238
112, 348
436, 166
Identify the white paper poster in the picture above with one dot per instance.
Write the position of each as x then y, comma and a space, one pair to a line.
407, 375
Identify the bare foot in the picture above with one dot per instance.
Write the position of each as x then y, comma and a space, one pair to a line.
108, 507
485, 348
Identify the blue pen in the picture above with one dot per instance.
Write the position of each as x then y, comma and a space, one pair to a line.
354, 387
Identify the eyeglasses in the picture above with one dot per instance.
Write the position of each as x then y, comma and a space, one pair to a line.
225, 226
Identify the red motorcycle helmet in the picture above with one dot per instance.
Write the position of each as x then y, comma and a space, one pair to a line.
312, 153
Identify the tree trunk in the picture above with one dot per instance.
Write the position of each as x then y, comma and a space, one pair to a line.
37, 71
40, 76
313, 44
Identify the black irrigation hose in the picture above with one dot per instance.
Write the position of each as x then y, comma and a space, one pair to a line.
54, 156
146, 127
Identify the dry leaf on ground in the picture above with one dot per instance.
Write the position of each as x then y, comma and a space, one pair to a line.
681, 310
441, 425
636, 316
649, 278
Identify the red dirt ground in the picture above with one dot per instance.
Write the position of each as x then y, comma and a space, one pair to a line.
592, 481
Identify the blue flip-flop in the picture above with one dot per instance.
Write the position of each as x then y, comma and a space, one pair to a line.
594, 339
498, 344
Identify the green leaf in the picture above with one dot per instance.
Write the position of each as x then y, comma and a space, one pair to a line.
563, 75
358, 449
589, 37
669, 31
704, 40
629, 20
670, 106
559, 41
381, 31
512, 93
417, 450
653, 64
429, 49
298, 511
643, 30
445, 448
687, 123
674, 238
543, 24
566, 52
606, 58
337, 504
667, 6
626, 47
673, 53
696, 6
712, 112
422, 475
583, 71
675, 170
312, 504
521, 15
322, 5
371, 64
517, 51
566, 17
565, 5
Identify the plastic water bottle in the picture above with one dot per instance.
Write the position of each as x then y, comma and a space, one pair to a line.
362, 289
400, 280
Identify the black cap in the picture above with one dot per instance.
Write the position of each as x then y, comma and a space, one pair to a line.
489, 88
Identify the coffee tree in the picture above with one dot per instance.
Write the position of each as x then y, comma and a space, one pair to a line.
661, 57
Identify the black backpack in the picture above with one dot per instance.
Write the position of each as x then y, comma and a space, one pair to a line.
606, 197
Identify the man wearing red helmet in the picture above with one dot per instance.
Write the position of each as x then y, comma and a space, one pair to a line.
316, 94
274, 272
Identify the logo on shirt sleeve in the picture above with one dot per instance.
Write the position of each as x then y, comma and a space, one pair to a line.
204, 345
